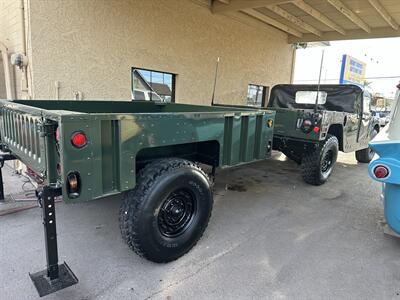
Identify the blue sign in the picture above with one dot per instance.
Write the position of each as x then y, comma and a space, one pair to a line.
352, 71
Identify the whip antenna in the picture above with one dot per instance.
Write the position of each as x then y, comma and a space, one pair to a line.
319, 81
215, 82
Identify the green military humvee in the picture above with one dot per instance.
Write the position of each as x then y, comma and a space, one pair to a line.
314, 122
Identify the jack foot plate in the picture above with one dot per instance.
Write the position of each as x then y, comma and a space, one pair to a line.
45, 286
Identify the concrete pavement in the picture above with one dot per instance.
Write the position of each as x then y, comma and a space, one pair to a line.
271, 236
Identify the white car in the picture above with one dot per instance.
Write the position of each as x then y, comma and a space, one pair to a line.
383, 117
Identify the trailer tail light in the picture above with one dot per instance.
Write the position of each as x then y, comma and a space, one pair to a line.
79, 139
381, 172
58, 135
59, 169
73, 184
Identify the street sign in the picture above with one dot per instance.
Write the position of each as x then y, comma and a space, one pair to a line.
352, 71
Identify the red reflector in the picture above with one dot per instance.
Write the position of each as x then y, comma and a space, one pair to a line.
59, 170
73, 182
316, 129
381, 172
58, 135
79, 139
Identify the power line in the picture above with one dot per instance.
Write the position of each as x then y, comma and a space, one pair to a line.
378, 77
383, 77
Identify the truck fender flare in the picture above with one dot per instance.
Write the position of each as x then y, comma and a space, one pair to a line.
337, 131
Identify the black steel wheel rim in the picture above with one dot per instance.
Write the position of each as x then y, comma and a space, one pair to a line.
327, 162
176, 213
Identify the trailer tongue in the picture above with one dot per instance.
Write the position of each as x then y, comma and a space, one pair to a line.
146, 151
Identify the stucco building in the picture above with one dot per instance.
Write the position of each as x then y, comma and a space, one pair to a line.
89, 50
168, 49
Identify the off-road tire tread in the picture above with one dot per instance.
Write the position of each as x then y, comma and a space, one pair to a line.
310, 162
131, 206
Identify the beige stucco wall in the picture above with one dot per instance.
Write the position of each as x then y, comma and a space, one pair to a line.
90, 46
3, 91
11, 35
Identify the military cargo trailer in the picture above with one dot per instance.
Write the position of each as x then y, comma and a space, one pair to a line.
145, 150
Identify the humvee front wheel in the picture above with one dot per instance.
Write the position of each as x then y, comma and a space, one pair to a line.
367, 154
316, 166
168, 211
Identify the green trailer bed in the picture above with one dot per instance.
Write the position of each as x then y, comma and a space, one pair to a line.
122, 135
85, 150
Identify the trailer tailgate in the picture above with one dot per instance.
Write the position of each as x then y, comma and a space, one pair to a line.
21, 134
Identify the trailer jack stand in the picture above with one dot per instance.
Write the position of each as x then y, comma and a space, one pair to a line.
56, 276
3, 157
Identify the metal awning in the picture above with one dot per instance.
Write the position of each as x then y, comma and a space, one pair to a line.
318, 20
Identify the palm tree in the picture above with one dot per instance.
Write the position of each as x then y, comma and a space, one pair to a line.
367, 84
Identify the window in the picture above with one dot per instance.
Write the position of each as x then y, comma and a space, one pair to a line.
256, 95
309, 97
153, 85
139, 95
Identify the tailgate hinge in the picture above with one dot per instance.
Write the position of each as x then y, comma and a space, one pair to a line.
47, 128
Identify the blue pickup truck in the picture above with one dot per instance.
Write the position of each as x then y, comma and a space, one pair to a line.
386, 167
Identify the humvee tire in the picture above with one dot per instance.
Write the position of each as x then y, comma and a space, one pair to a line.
367, 154
316, 166
165, 215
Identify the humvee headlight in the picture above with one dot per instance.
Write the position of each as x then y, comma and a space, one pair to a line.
270, 123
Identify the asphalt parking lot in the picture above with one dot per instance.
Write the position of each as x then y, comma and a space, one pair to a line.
270, 236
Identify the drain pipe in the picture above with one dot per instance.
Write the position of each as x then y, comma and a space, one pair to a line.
22, 12
7, 71
294, 54
24, 82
